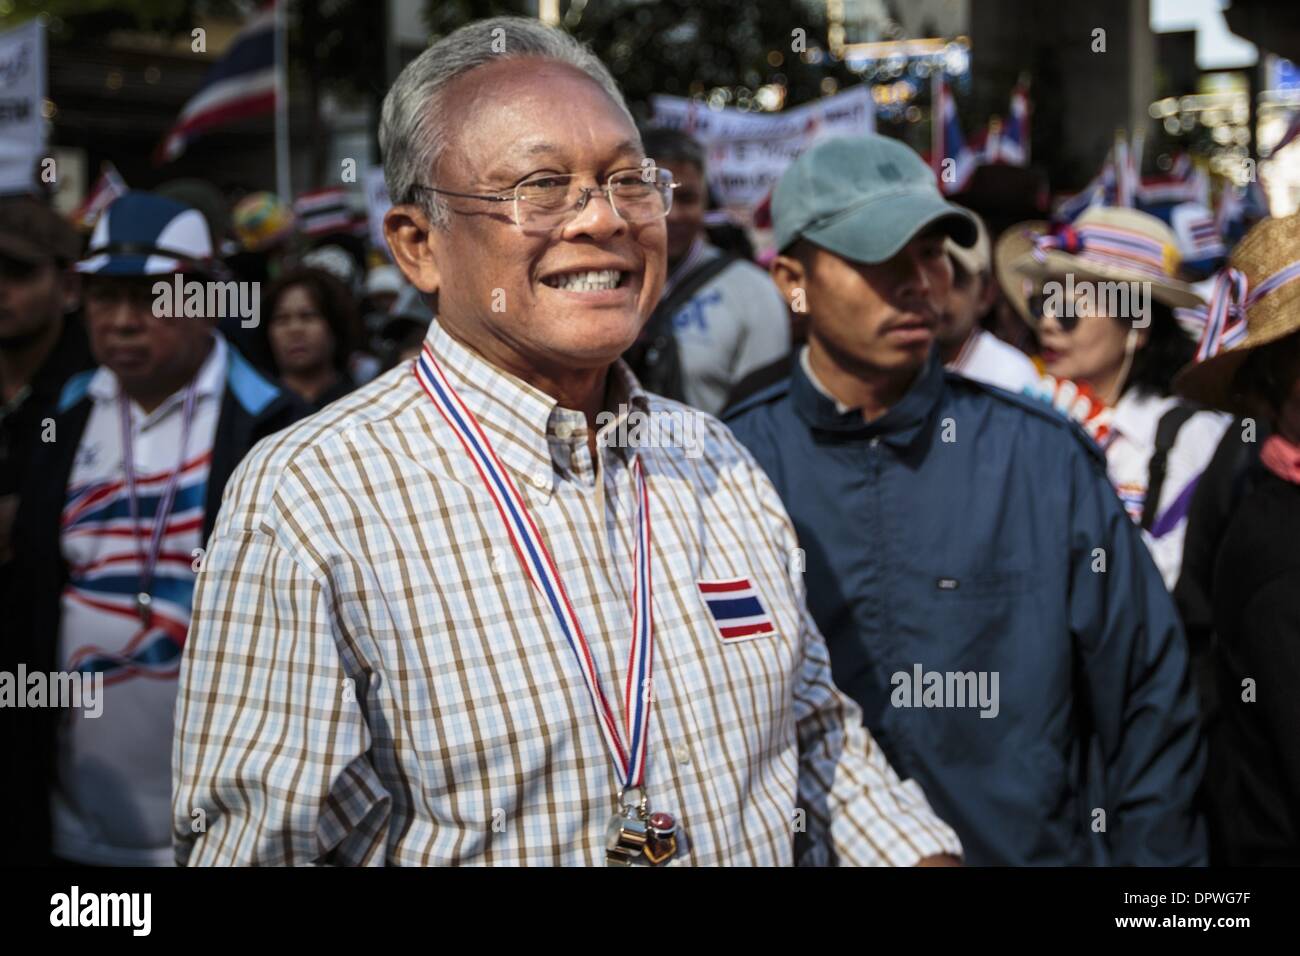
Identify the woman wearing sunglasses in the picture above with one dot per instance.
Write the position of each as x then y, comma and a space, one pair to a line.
1102, 295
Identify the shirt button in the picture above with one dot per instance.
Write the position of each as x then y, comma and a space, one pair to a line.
564, 430
875, 441
540, 481
683, 755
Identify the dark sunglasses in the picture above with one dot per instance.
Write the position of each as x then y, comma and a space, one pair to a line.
1037, 304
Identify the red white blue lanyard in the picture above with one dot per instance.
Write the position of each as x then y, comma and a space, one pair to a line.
630, 759
148, 562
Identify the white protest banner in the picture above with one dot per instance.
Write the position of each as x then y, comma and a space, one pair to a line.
377, 204
748, 152
22, 95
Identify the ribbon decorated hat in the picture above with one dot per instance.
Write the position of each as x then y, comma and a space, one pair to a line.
1108, 244
1255, 301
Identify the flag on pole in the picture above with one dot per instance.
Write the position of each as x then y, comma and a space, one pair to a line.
1125, 175
1008, 143
239, 85
324, 211
949, 144
107, 187
1183, 183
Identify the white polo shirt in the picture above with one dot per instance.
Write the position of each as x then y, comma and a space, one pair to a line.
986, 358
111, 805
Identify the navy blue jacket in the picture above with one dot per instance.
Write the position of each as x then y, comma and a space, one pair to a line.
969, 531
251, 408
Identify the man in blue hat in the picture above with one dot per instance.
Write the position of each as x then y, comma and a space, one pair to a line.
984, 597
111, 532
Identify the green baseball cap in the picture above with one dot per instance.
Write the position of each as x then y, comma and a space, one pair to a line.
863, 198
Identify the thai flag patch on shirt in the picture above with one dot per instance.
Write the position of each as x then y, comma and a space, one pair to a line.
737, 612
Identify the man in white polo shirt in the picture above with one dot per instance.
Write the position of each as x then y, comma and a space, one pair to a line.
964, 345
112, 538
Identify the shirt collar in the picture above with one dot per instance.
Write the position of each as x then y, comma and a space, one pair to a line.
211, 376
900, 427
530, 431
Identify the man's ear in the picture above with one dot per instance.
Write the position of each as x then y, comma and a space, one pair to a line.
409, 232
791, 277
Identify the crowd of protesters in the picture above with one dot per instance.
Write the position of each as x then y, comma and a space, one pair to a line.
988, 468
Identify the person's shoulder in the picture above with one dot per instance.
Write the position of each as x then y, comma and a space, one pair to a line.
1260, 538
1203, 431
1034, 415
759, 405
1007, 358
319, 436
253, 390
751, 280
75, 391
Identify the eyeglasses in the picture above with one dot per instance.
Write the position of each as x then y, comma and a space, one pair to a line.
1067, 318
636, 196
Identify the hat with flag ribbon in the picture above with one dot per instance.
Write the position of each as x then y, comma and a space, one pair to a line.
1254, 301
1110, 244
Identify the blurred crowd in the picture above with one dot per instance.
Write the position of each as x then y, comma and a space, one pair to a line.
1195, 411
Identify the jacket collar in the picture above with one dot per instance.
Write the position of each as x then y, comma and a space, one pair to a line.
900, 427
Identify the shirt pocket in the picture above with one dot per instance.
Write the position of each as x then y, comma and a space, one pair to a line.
959, 632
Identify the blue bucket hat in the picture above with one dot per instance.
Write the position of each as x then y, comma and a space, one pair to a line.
141, 234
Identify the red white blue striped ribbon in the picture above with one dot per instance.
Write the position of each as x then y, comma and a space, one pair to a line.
1107, 245
1224, 317
630, 760
149, 561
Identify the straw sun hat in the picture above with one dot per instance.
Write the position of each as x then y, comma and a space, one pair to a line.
1255, 301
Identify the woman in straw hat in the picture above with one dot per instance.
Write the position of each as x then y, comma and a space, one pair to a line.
1101, 295
1249, 363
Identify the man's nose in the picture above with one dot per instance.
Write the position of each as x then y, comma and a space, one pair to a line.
915, 277
596, 218
124, 316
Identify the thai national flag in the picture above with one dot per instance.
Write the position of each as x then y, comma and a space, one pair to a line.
108, 187
1008, 143
1183, 183
239, 85
736, 609
950, 144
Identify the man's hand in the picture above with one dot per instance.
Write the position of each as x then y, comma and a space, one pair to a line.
941, 859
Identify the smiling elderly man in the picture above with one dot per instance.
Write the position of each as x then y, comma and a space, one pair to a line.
428, 619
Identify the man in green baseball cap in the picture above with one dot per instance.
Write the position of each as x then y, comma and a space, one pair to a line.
950, 534
860, 227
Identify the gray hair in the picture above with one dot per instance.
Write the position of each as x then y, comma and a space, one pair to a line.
415, 121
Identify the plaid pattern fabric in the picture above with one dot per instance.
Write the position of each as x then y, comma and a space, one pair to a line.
371, 678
